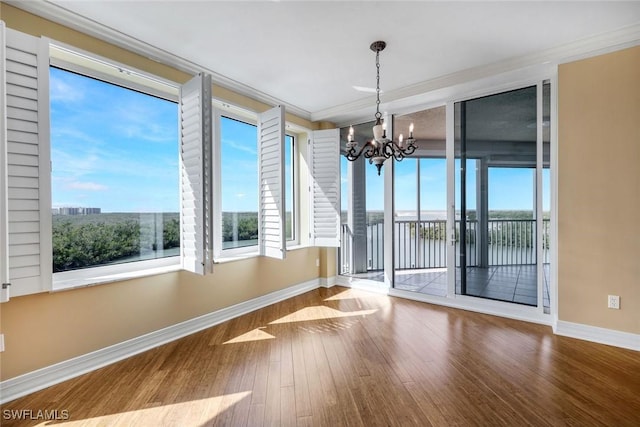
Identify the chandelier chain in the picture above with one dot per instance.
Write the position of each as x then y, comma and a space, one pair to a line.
378, 115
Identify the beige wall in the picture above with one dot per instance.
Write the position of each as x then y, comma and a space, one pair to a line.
44, 329
599, 190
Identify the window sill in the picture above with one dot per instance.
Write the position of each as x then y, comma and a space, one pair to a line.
108, 274
224, 258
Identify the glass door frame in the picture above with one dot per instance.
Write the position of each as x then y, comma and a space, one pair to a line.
535, 313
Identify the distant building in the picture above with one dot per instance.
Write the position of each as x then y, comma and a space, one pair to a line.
75, 211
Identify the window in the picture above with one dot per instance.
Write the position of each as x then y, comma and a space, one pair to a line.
239, 199
289, 190
114, 175
239, 183
98, 149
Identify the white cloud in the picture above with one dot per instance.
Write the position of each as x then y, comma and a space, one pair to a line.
140, 121
239, 146
61, 91
89, 186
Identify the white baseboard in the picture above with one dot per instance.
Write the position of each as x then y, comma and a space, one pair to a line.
480, 305
30, 382
599, 335
363, 284
501, 309
327, 282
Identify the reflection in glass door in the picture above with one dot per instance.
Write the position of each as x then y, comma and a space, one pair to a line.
496, 201
419, 217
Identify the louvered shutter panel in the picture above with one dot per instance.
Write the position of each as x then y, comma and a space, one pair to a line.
325, 188
28, 170
195, 175
271, 210
4, 200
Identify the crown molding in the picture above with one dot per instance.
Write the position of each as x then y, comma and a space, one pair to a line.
350, 112
63, 16
591, 46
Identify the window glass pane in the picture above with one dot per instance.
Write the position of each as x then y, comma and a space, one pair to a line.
288, 187
114, 155
405, 183
362, 243
496, 228
546, 194
344, 188
239, 160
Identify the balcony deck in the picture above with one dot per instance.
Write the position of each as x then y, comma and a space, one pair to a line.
421, 258
512, 283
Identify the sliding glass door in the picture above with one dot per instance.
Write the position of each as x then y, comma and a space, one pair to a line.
496, 191
469, 214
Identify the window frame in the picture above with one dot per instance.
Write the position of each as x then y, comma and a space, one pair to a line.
95, 67
295, 188
224, 109
221, 110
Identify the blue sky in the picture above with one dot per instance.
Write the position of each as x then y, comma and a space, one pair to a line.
112, 148
117, 149
239, 159
509, 189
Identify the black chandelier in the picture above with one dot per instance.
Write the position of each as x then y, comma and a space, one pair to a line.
380, 148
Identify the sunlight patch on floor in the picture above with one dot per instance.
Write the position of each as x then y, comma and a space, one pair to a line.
328, 326
320, 313
193, 412
254, 335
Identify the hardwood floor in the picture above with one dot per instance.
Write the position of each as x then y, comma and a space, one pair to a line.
341, 357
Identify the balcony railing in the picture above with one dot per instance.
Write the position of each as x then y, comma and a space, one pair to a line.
423, 244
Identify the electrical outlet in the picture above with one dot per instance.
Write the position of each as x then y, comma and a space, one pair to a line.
1, 343
613, 302
317, 262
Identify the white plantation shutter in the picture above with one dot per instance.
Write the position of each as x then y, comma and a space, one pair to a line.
271, 209
4, 199
325, 187
195, 175
27, 183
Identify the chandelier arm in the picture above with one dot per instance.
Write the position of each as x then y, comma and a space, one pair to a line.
372, 150
389, 149
353, 155
409, 150
368, 150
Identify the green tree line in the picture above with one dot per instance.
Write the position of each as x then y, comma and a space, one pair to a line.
78, 244
90, 240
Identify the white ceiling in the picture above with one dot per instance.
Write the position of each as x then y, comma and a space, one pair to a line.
310, 55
